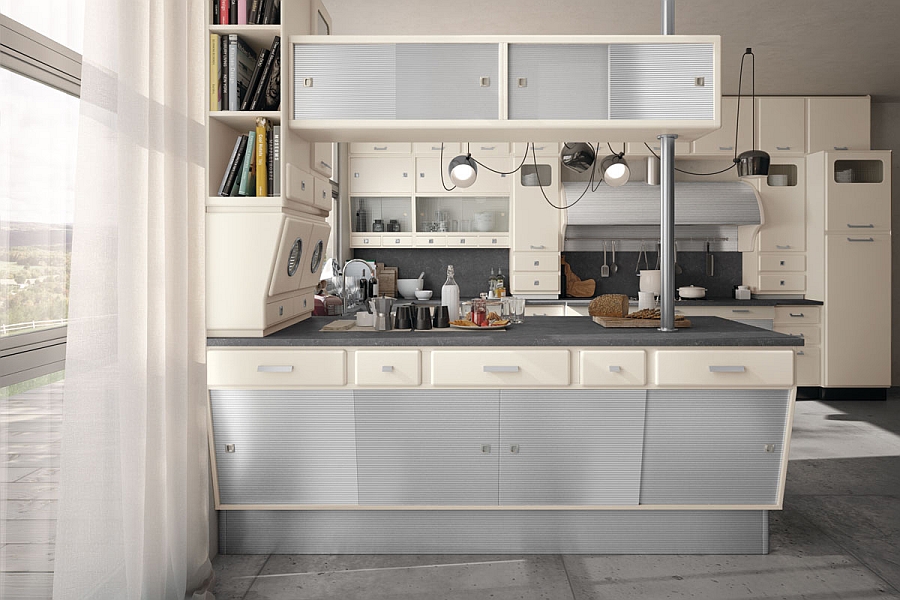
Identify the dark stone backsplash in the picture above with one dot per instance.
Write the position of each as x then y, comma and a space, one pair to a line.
727, 271
472, 266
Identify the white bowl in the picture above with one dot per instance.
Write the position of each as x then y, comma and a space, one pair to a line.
423, 294
408, 287
691, 291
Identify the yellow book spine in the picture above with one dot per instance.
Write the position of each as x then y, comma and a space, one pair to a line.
213, 72
262, 181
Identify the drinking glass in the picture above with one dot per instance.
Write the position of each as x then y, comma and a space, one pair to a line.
520, 309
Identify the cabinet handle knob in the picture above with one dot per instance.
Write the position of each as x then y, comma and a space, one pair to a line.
740, 310
274, 368
536, 282
797, 315
841, 148
726, 147
788, 247
501, 369
849, 239
726, 369
615, 369
541, 247
484, 81
868, 226
801, 353
487, 148
485, 448
781, 263
514, 448
387, 369
781, 282
522, 82
379, 149
229, 448
782, 147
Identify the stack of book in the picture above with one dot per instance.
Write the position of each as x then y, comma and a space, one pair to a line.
254, 168
246, 12
241, 79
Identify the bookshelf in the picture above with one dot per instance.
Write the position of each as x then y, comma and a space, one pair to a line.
249, 237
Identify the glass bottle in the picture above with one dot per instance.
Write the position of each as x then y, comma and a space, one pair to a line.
492, 284
501, 283
450, 295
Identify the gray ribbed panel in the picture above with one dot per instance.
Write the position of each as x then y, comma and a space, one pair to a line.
731, 203
291, 447
425, 447
574, 447
565, 81
691, 238
350, 81
474, 532
708, 446
442, 81
657, 81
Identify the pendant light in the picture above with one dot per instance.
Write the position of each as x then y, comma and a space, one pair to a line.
750, 163
577, 156
615, 169
463, 170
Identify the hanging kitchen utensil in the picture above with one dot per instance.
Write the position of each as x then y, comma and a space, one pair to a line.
678, 269
604, 270
710, 261
658, 252
637, 266
614, 267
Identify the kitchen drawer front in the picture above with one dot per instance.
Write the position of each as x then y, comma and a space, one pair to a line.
790, 315
396, 241
536, 282
811, 334
500, 368
323, 197
725, 368
462, 241
540, 149
479, 149
789, 282
400, 368
299, 185
383, 148
545, 310
276, 368
431, 241
377, 175
276, 312
493, 241
782, 262
535, 261
613, 367
365, 241
808, 366
451, 149
734, 313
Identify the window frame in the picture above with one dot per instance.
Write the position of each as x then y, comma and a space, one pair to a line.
28, 53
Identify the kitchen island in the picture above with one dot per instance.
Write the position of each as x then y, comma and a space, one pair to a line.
556, 435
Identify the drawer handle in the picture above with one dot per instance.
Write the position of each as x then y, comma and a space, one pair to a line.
869, 226
387, 369
493, 240
801, 353
537, 263
514, 448
726, 147
488, 148
615, 369
797, 315
781, 263
302, 186
430, 240
740, 310
397, 241
860, 239
462, 240
536, 282
782, 147
841, 147
501, 369
726, 369
541, 247
788, 247
324, 164
437, 147
781, 282
380, 149
485, 448
274, 368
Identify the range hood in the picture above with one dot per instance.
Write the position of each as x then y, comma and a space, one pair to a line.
716, 212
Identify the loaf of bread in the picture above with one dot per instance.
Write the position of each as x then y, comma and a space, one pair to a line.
609, 305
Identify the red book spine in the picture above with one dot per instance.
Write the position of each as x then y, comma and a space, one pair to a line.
223, 12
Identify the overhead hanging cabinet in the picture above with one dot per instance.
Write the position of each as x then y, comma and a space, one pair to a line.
508, 88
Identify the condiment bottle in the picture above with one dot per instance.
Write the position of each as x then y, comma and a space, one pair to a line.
450, 295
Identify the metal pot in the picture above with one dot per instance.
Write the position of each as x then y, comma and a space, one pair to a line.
691, 291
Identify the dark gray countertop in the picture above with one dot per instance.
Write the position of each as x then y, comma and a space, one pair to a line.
535, 331
704, 302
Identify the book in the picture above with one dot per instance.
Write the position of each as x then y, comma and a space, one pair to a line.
254, 79
223, 12
273, 12
270, 155
276, 161
242, 12
231, 169
246, 187
214, 71
223, 72
241, 61
232, 12
261, 13
215, 15
267, 95
262, 179
254, 11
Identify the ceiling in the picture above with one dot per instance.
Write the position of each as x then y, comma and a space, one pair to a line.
802, 47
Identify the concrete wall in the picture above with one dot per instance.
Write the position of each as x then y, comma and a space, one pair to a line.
886, 136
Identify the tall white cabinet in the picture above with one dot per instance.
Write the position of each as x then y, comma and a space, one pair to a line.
849, 238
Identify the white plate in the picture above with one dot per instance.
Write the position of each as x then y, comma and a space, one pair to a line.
478, 328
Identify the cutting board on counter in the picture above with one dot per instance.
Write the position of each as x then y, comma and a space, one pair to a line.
623, 322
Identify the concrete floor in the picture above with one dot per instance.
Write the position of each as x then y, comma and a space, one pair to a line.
837, 538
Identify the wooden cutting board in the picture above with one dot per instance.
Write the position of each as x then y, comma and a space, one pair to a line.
623, 322
340, 325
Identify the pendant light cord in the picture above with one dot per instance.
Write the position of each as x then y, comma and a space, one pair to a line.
733, 165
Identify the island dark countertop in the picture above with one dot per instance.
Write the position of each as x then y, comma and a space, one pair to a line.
702, 302
535, 331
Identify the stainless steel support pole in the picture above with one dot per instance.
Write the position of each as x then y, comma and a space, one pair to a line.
667, 232
668, 17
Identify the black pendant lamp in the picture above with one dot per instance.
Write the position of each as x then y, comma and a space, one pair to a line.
750, 163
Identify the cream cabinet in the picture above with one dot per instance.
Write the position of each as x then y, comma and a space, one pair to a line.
639, 149
783, 195
724, 368
381, 176
380, 148
804, 321
536, 224
781, 125
500, 368
449, 149
721, 141
433, 177
857, 192
323, 158
838, 123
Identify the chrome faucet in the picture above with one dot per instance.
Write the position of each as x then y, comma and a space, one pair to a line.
348, 308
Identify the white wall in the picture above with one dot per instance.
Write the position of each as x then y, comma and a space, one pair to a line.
886, 136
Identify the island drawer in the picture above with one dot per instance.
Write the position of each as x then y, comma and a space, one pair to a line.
725, 368
811, 334
535, 261
613, 367
790, 315
500, 368
733, 313
545, 310
276, 368
809, 366
397, 368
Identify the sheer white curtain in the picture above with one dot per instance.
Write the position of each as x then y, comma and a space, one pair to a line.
133, 516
